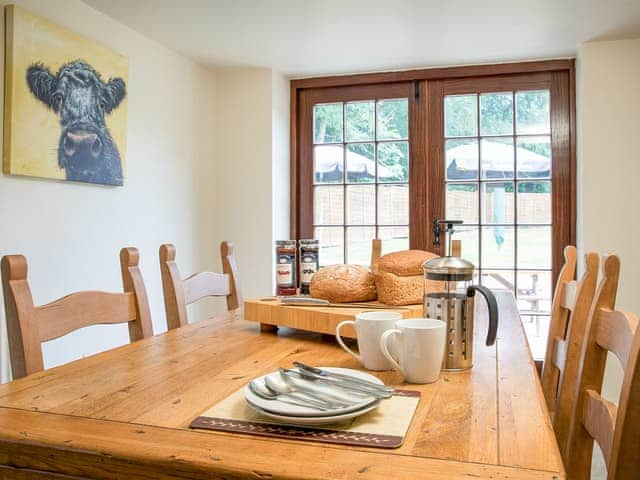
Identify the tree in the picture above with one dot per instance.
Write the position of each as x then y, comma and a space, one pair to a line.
366, 122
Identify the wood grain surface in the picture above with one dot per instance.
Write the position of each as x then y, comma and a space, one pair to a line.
126, 412
271, 314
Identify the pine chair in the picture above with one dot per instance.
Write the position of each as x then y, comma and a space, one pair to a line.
28, 325
179, 293
570, 310
614, 428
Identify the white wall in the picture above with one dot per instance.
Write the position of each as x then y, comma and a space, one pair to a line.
71, 233
252, 192
280, 117
609, 170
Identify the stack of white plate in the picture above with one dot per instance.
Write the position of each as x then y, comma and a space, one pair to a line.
298, 415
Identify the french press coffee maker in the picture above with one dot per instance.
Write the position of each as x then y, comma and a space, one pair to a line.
449, 296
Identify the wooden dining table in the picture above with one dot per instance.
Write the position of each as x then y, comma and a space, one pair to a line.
125, 413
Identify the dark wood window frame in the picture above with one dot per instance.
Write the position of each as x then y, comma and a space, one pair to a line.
425, 89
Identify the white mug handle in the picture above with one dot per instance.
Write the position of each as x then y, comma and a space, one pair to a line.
341, 343
384, 338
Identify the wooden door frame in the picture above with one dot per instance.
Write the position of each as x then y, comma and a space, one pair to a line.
562, 173
426, 81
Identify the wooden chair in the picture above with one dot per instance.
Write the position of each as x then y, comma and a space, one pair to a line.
569, 312
615, 428
376, 249
179, 293
28, 325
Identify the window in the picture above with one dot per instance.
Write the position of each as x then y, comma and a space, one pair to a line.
492, 145
498, 180
360, 178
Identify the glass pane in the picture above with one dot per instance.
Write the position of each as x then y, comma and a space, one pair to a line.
497, 157
533, 155
393, 119
534, 202
393, 162
497, 202
534, 291
331, 245
537, 329
534, 247
360, 118
461, 159
496, 113
461, 115
361, 205
393, 239
393, 205
327, 163
327, 123
498, 247
469, 236
328, 205
359, 244
461, 202
532, 112
361, 163
498, 279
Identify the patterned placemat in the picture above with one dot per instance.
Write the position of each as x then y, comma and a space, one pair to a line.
383, 427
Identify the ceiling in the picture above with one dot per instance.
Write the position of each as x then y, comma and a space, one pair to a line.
315, 37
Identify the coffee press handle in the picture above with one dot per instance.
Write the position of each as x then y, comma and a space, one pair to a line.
492, 303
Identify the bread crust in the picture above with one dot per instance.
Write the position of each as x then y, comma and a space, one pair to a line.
343, 283
399, 277
404, 263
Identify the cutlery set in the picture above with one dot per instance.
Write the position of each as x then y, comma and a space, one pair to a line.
307, 395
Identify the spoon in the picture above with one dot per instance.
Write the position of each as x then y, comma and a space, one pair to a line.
281, 387
352, 388
265, 394
345, 378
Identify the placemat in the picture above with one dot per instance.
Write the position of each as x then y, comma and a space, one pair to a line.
383, 427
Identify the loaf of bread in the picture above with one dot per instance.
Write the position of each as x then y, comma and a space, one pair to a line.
343, 283
399, 277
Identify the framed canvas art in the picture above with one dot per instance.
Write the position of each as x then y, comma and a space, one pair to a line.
65, 111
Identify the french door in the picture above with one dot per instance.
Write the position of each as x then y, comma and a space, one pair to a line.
502, 166
385, 160
357, 149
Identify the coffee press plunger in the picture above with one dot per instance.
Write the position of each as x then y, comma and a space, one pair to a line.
449, 296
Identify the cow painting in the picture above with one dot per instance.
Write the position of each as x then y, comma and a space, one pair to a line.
81, 100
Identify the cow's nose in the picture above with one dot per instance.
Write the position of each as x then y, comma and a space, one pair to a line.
75, 141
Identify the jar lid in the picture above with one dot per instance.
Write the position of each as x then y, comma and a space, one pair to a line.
448, 265
309, 241
285, 242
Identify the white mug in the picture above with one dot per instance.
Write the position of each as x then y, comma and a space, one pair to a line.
369, 326
420, 345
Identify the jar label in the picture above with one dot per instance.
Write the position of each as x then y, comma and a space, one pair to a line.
308, 267
284, 271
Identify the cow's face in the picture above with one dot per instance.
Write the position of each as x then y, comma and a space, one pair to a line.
81, 100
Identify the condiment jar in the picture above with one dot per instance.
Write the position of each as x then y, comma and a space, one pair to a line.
285, 267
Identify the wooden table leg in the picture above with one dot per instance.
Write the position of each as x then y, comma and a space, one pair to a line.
265, 327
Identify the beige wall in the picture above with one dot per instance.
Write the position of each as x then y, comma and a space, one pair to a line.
609, 168
71, 233
252, 191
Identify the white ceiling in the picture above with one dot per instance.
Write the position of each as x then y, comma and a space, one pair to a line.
312, 37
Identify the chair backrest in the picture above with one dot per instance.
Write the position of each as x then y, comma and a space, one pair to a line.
615, 428
179, 293
376, 250
569, 313
28, 326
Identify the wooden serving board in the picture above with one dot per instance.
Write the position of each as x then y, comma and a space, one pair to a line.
271, 314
